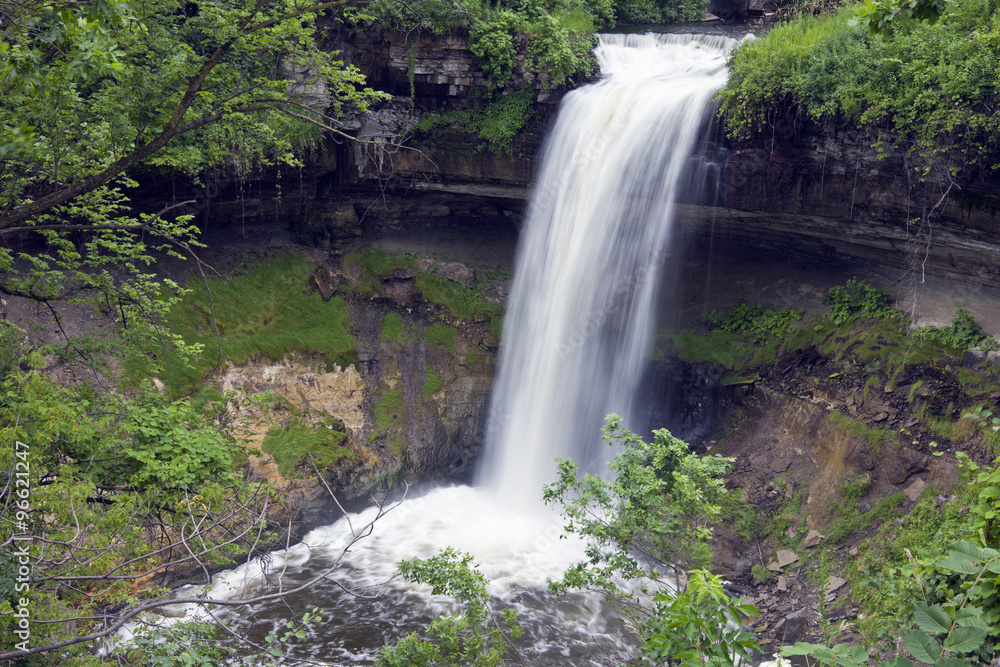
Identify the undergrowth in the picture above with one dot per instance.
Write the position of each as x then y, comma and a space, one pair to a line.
925, 88
263, 312
296, 443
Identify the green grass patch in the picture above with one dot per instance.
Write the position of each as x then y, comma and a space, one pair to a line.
292, 445
472, 356
979, 383
391, 411
263, 312
875, 437
851, 521
438, 334
768, 523
881, 574
433, 383
721, 348
372, 265
394, 329
956, 430
461, 301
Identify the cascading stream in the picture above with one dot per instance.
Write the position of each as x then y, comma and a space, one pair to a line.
581, 312
575, 342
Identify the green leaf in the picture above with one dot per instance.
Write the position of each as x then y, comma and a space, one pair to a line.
965, 639
899, 662
922, 646
962, 565
969, 549
931, 619
952, 662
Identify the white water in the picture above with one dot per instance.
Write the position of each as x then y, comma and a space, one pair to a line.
575, 341
581, 312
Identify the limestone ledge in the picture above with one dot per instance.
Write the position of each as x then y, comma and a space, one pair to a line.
338, 393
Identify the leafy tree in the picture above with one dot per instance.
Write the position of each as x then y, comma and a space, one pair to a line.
104, 498
478, 636
640, 527
90, 91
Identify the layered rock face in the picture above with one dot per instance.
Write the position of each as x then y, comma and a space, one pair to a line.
806, 188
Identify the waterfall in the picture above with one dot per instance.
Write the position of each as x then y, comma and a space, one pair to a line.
575, 341
578, 327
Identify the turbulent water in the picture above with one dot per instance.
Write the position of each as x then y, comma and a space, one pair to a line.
574, 344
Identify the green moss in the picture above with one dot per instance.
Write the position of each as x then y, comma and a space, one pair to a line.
876, 437
261, 313
391, 411
472, 356
394, 329
461, 301
373, 265
979, 383
293, 445
722, 348
397, 445
438, 334
433, 384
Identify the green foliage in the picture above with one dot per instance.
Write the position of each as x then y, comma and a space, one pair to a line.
111, 85
459, 300
560, 34
439, 334
659, 11
11, 346
746, 337
292, 631
924, 87
759, 573
762, 323
851, 521
300, 441
493, 41
161, 448
498, 123
560, 43
699, 625
108, 271
653, 514
857, 300
371, 265
657, 502
113, 482
188, 644
476, 637
841, 655
962, 335
983, 418
885, 14
433, 384
261, 313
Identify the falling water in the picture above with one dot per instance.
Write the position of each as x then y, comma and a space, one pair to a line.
575, 341
581, 312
